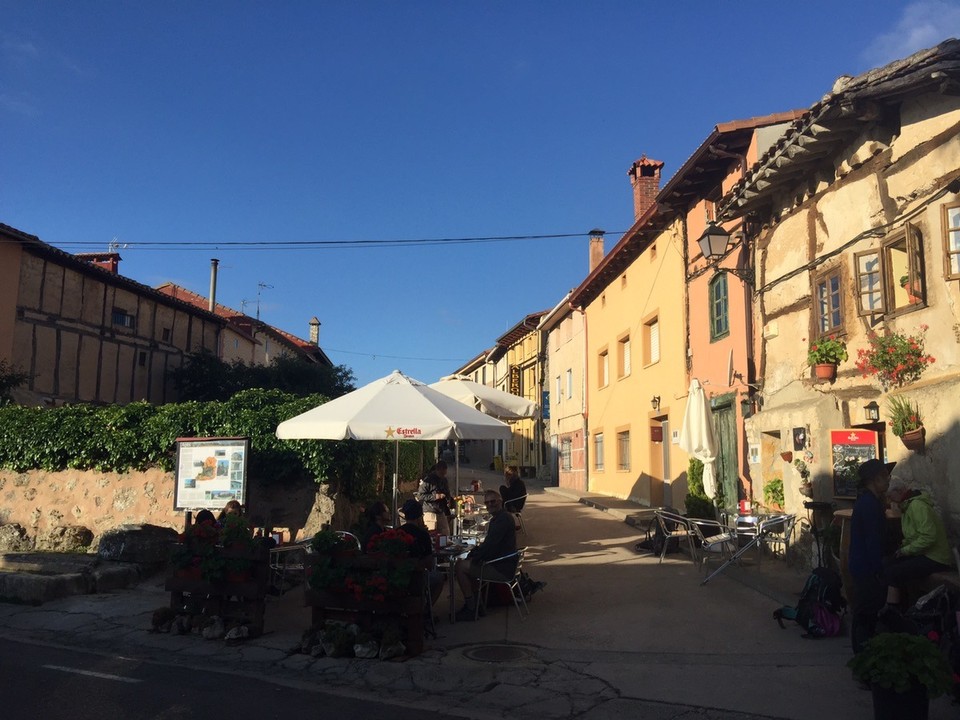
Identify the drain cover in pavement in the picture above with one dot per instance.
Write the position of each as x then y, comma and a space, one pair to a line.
496, 653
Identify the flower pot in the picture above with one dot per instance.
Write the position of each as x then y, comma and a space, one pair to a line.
888, 704
806, 489
825, 371
914, 439
786, 456
238, 576
192, 572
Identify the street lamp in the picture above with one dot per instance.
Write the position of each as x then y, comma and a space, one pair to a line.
872, 411
655, 402
713, 244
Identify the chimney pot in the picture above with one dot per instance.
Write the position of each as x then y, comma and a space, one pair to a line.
645, 179
596, 248
314, 331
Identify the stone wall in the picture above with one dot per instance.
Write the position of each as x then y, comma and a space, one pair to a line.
43, 501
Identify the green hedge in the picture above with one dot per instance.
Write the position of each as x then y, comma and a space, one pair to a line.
120, 438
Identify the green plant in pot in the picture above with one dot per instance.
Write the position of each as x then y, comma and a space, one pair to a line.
328, 541
236, 532
827, 351
902, 668
773, 493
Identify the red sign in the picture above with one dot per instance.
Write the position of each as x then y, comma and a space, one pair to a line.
853, 436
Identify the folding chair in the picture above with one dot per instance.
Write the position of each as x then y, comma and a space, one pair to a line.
766, 526
515, 508
778, 531
513, 584
675, 526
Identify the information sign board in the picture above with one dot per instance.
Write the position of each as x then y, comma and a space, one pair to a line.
850, 447
210, 472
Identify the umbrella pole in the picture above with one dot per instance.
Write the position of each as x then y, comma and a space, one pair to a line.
456, 455
396, 473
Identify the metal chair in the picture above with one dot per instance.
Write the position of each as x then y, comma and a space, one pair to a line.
777, 532
289, 559
713, 537
675, 526
518, 514
764, 528
513, 583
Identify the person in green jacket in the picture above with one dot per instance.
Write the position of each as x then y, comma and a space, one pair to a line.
925, 549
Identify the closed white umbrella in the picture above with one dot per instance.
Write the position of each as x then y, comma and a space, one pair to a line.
395, 407
697, 435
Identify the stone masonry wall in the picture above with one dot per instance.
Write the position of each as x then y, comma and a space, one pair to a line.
41, 501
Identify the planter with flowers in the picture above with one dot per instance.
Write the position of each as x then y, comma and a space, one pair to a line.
906, 422
896, 359
904, 671
365, 589
824, 356
914, 295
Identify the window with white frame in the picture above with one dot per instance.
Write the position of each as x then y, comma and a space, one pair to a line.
951, 239
828, 302
891, 278
598, 451
651, 331
569, 383
623, 450
623, 356
566, 450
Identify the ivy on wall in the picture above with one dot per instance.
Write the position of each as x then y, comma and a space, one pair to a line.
121, 438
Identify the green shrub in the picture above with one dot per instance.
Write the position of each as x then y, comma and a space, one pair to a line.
773, 492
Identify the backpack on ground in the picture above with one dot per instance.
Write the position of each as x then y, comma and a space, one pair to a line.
820, 607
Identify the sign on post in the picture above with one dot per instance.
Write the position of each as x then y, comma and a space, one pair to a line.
210, 472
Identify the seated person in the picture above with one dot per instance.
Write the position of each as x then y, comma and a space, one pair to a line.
500, 540
514, 493
378, 518
231, 508
925, 549
422, 547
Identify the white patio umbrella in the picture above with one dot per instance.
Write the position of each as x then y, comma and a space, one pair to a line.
488, 400
697, 436
395, 407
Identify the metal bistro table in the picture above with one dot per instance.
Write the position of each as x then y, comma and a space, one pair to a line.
449, 555
764, 527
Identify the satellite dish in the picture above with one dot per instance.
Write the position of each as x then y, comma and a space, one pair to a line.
730, 368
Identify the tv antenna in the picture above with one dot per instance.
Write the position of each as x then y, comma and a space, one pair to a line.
243, 304
115, 245
260, 287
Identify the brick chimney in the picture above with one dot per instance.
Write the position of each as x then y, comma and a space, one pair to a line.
645, 179
108, 260
314, 331
596, 248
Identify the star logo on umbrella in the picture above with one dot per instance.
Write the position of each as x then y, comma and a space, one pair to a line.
390, 432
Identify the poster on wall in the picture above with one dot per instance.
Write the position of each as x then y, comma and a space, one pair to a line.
849, 448
210, 472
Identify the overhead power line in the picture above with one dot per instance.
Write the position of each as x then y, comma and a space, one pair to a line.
324, 244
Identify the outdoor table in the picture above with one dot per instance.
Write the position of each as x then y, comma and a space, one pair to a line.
763, 527
448, 556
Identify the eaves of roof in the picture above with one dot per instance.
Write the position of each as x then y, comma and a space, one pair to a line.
554, 316
835, 120
703, 171
35, 246
473, 363
521, 329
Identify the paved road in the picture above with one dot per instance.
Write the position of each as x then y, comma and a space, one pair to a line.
615, 634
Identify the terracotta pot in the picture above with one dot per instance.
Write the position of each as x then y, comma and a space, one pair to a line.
806, 489
914, 439
786, 456
191, 572
238, 576
825, 371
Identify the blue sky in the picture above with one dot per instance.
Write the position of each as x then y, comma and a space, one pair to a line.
291, 122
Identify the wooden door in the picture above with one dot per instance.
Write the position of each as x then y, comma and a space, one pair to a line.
728, 471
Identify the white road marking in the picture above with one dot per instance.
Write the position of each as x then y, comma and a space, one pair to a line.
104, 676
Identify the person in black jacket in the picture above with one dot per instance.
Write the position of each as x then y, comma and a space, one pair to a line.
500, 540
434, 494
514, 493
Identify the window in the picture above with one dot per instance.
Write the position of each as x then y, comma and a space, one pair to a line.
142, 359
603, 369
829, 304
598, 451
566, 446
890, 279
623, 450
951, 239
623, 356
719, 307
122, 318
623, 280
569, 383
165, 335
651, 331
558, 390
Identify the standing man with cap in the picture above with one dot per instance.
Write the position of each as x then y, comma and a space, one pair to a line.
867, 544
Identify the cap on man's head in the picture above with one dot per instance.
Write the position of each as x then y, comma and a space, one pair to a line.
411, 509
869, 469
